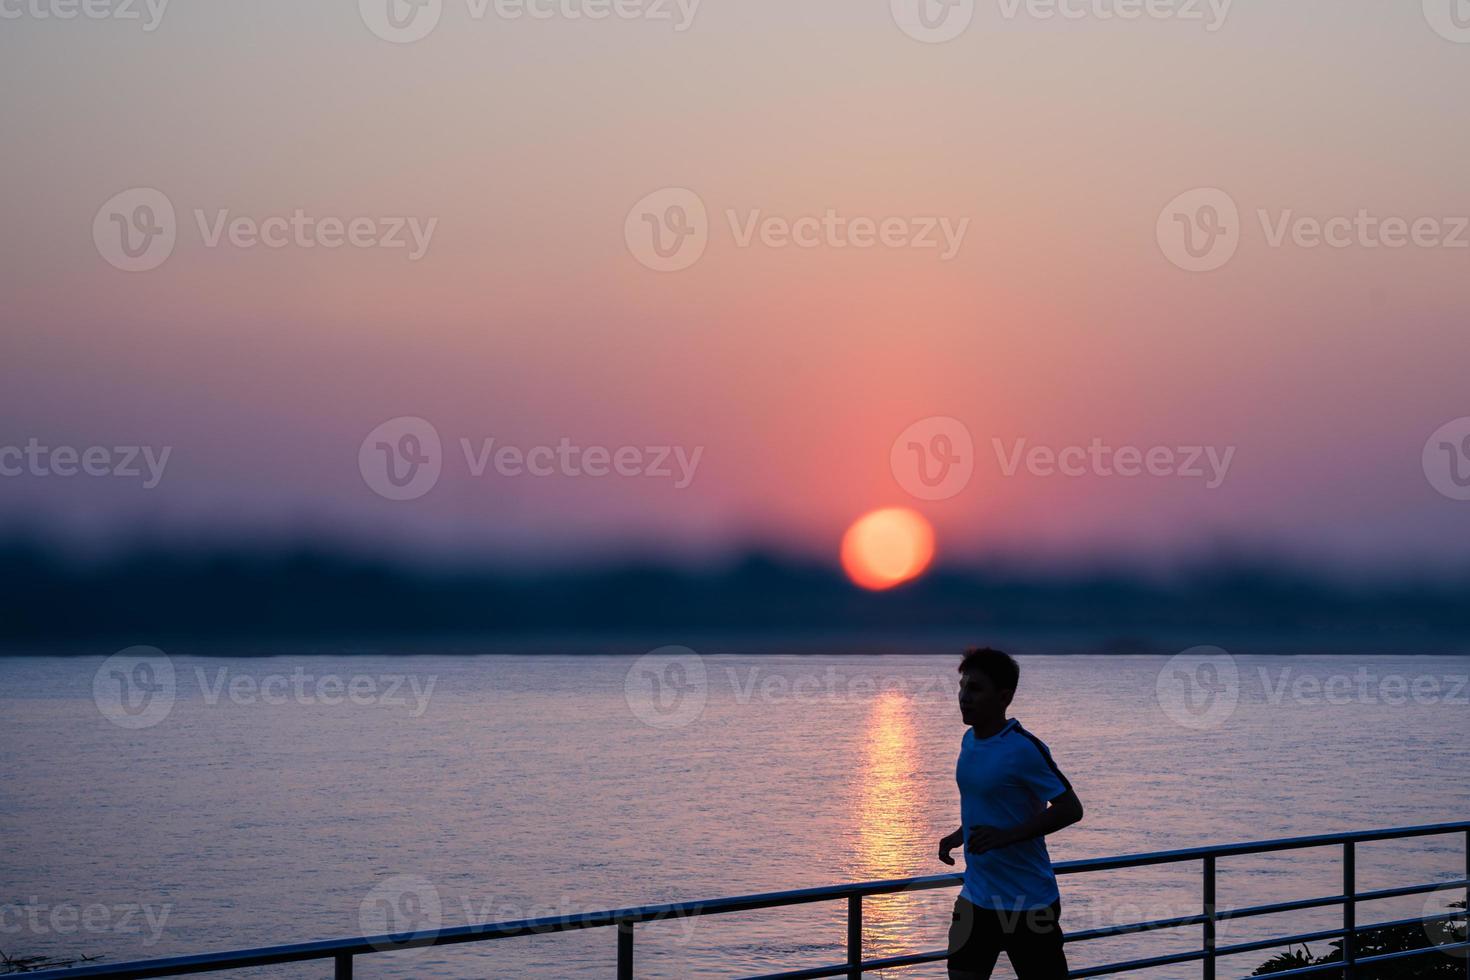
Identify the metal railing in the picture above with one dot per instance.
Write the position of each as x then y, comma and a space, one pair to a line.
343, 951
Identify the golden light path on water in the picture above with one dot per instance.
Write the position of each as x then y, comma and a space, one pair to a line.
891, 818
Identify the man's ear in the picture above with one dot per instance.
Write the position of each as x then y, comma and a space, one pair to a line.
1007, 697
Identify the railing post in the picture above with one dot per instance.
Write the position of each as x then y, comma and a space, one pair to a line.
1209, 962
854, 937
1349, 909
625, 951
343, 970
1466, 952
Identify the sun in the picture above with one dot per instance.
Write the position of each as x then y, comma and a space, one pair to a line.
887, 547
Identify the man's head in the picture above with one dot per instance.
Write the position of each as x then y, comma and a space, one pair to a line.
987, 684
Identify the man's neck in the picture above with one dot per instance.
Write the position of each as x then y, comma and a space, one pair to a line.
989, 727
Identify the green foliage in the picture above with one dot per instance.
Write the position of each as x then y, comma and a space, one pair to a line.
1378, 942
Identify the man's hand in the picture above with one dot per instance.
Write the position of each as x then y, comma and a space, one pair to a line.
983, 838
949, 843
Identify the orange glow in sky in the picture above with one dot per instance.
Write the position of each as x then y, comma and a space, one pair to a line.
887, 547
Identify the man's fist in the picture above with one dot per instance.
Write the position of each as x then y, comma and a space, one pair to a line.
949, 843
983, 838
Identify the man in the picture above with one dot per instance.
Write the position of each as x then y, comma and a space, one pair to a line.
1011, 796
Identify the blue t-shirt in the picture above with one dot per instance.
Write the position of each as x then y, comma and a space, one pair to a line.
1004, 781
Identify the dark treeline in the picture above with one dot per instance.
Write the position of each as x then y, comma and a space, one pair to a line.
244, 592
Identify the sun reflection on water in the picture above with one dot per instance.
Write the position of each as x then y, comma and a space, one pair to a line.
892, 823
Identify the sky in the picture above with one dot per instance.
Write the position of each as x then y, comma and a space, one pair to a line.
1022, 231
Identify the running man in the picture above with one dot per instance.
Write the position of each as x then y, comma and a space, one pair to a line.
1011, 796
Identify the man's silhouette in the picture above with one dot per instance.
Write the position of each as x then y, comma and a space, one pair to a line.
1011, 796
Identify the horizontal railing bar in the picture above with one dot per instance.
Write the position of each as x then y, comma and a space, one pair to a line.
1299, 904
1321, 934
912, 960
1255, 847
887, 963
934, 956
327, 949
1253, 910
1128, 966
1134, 927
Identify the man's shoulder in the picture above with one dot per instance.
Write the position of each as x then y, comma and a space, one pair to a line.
1028, 742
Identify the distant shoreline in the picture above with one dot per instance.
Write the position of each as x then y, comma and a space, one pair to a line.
867, 643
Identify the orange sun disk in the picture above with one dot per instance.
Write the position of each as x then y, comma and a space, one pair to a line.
887, 547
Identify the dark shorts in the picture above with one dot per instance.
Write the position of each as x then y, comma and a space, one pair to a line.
1031, 939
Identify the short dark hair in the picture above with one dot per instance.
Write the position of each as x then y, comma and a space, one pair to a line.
1001, 668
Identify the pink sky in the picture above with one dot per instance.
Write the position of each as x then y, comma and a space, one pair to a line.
529, 320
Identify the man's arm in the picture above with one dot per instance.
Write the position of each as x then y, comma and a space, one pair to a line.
1063, 811
949, 843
